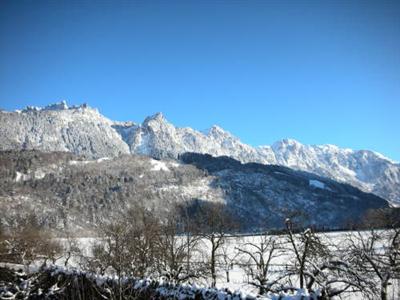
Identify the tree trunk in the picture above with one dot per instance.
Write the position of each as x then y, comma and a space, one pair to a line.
188, 253
213, 275
119, 286
301, 277
67, 259
261, 290
212, 267
302, 263
384, 293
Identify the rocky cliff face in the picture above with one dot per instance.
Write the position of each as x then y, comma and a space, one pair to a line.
82, 130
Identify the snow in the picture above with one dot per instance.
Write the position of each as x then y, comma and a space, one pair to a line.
36, 174
84, 162
381, 156
20, 176
317, 184
159, 288
198, 189
158, 165
39, 174
103, 159
79, 162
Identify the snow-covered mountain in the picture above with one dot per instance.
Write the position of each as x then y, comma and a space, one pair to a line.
83, 130
79, 129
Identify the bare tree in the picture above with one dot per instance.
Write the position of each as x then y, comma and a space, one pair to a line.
214, 222
377, 252
257, 258
176, 250
144, 240
318, 268
30, 241
71, 248
301, 249
128, 246
114, 251
229, 258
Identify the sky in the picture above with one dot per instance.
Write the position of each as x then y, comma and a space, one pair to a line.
316, 71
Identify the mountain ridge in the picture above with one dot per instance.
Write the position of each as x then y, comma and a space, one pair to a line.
83, 130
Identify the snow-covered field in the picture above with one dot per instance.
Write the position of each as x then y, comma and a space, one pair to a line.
231, 263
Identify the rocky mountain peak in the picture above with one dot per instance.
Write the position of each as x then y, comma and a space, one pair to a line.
286, 143
59, 106
62, 105
157, 117
216, 131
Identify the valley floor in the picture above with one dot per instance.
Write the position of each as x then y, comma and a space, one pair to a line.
233, 271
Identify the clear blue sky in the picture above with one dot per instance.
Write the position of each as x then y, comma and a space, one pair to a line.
317, 71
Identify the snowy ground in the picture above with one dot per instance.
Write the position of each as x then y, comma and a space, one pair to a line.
238, 279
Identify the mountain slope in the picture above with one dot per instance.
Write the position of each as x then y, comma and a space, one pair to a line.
268, 193
66, 191
82, 130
